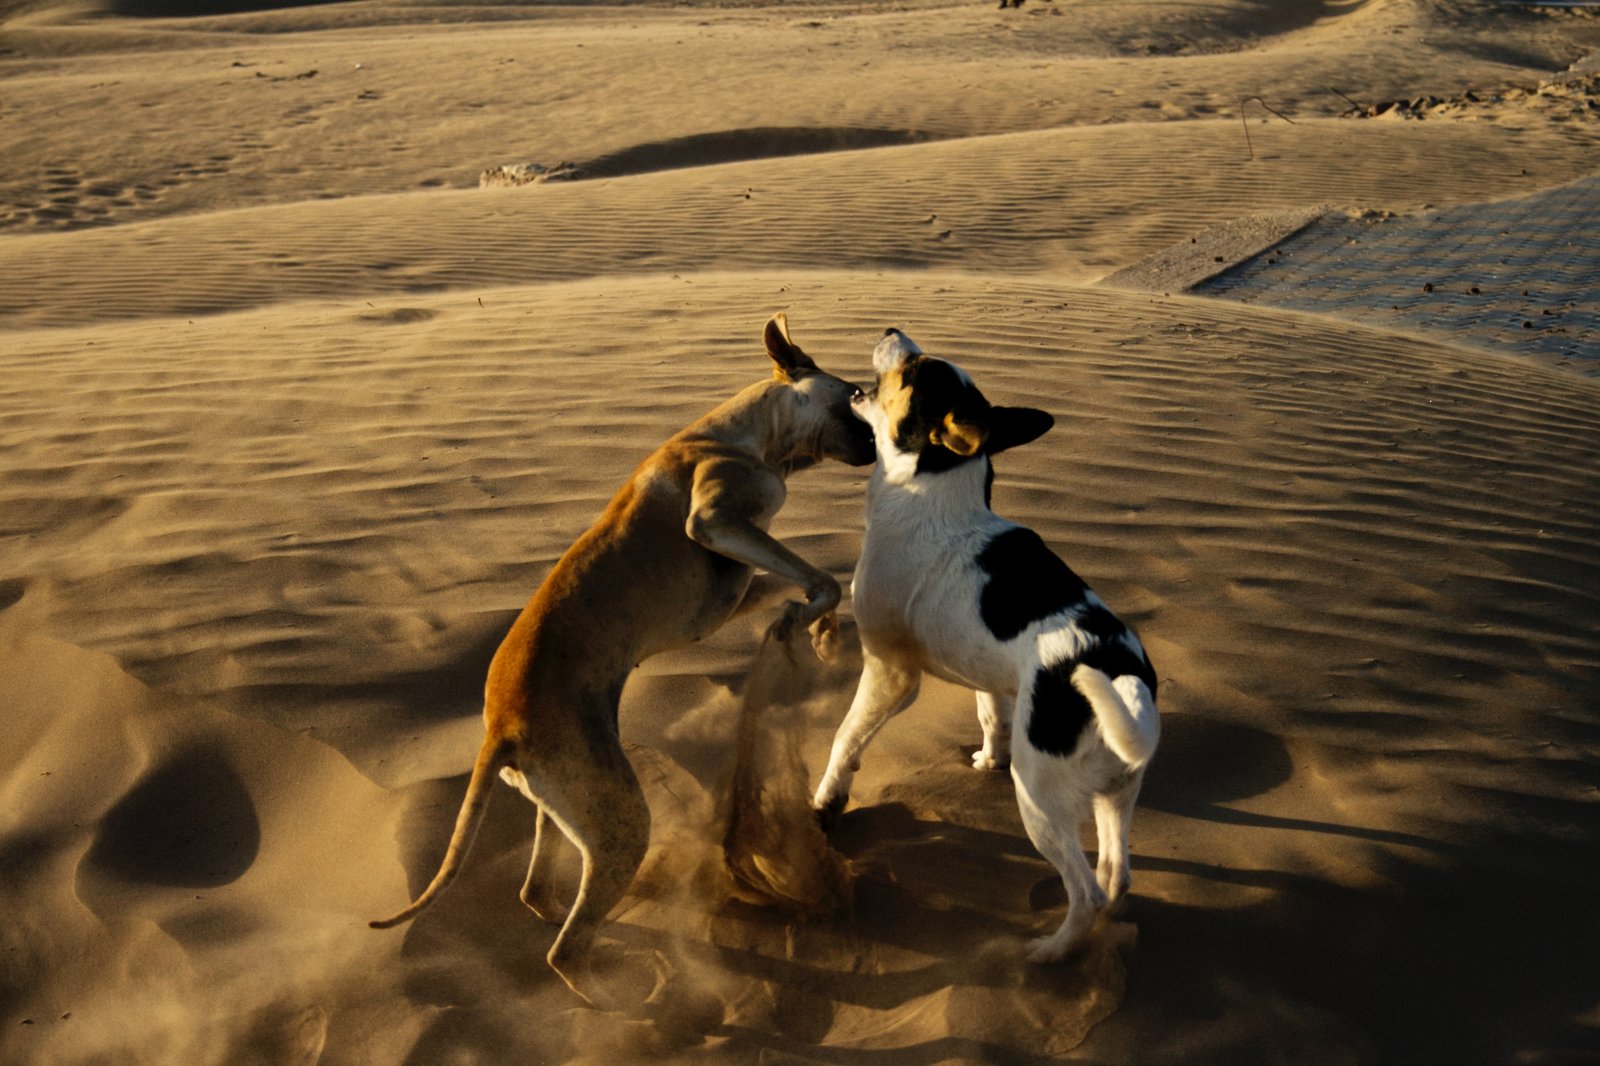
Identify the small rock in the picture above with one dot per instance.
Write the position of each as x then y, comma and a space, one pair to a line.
527, 174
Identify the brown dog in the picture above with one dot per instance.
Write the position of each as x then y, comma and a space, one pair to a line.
667, 563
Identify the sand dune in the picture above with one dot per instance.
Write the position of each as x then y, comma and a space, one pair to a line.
293, 419
335, 100
1053, 201
1225, 476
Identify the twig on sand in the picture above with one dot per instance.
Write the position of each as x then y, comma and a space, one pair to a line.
1246, 124
1357, 108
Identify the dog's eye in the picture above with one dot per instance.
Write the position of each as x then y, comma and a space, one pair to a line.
857, 394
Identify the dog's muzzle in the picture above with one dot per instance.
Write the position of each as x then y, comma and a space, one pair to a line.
894, 349
861, 447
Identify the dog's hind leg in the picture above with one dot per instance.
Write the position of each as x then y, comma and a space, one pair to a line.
994, 715
886, 689
1051, 812
606, 816
1113, 811
538, 891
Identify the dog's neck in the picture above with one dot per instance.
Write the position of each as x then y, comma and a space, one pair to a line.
761, 422
954, 495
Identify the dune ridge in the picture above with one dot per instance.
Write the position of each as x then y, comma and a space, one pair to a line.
1016, 203
327, 101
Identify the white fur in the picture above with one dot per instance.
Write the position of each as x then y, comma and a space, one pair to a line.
917, 592
893, 350
1125, 712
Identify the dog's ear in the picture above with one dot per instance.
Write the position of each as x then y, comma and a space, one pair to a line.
962, 436
791, 362
1011, 426
964, 431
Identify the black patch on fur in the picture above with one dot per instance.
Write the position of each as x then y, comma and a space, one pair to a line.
936, 459
937, 389
1027, 582
1115, 659
1059, 712
1100, 624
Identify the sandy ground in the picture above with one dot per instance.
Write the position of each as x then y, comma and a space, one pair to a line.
294, 417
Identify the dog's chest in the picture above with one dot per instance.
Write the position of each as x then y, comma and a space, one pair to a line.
727, 582
918, 586
903, 556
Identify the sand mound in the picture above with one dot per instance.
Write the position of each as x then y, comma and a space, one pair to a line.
180, 881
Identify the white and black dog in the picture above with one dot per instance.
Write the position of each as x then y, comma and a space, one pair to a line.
948, 587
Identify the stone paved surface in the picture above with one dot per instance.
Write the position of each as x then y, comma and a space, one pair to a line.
1518, 275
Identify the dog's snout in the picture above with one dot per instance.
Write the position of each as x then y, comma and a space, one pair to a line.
894, 349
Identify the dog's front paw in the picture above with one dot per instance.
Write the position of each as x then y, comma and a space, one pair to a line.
829, 812
787, 625
822, 598
984, 760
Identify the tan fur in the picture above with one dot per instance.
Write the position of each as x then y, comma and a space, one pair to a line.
666, 563
963, 438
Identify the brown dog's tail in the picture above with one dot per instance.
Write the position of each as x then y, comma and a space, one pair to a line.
491, 757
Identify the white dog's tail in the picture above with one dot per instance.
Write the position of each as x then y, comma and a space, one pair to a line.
491, 757
1126, 711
